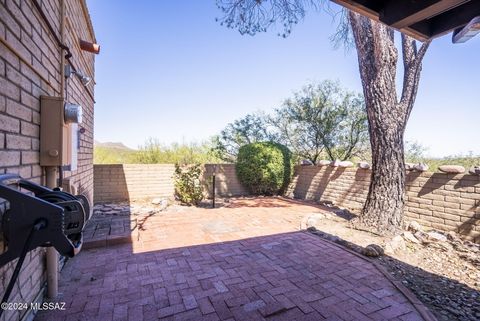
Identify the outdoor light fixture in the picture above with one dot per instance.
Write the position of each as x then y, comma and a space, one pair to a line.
69, 71
464, 34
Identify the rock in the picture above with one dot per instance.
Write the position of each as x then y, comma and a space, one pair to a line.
389, 249
414, 226
443, 246
436, 237
326, 203
421, 236
313, 220
409, 166
163, 203
397, 243
474, 170
363, 165
452, 169
335, 163
345, 164
306, 162
324, 163
452, 236
421, 167
408, 236
373, 250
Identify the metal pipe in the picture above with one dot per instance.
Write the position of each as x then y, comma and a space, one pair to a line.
213, 192
213, 184
52, 255
51, 172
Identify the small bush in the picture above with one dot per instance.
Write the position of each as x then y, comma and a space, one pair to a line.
264, 168
188, 189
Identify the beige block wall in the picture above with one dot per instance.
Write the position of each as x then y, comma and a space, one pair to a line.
30, 66
141, 181
442, 201
125, 182
226, 181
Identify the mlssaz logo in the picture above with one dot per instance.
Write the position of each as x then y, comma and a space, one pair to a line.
47, 306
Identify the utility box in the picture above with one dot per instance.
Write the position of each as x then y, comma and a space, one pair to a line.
59, 132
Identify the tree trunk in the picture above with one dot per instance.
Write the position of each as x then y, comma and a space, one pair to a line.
387, 118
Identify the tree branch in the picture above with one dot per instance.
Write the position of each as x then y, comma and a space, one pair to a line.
412, 64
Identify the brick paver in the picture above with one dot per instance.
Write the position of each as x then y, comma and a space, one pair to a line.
247, 262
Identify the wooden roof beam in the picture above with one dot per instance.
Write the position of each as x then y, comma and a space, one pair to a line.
448, 21
402, 14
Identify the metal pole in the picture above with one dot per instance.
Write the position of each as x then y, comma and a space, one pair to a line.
213, 185
52, 255
213, 192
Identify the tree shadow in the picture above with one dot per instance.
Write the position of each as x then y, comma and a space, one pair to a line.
306, 176
447, 299
283, 276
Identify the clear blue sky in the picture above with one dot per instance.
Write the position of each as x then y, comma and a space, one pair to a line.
167, 69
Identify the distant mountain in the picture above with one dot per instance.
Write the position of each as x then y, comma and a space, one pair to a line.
112, 145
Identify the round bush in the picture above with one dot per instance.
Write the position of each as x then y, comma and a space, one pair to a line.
264, 168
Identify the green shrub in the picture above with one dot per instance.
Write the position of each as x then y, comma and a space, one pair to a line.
188, 189
264, 168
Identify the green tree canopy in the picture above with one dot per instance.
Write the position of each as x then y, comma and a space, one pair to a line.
250, 129
321, 118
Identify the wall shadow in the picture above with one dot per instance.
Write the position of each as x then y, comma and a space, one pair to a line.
432, 183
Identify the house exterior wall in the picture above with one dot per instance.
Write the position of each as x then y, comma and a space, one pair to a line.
31, 66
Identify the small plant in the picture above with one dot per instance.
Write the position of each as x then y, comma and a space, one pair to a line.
264, 168
188, 189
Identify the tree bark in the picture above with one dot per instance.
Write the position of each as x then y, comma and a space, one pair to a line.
387, 118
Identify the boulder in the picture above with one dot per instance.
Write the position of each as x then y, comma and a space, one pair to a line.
452, 169
161, 202
313, 220
422, 237
421, 167
436, 236
363, 165
409, 166
474, 170
335, 163
306, 162
373, 250
397, 243
345, 164
414, 226
453, 237
408, 236
324, 162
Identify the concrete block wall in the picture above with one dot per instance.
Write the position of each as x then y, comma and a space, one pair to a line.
442, 201
125, 182
142, 181
226, 181
30, 66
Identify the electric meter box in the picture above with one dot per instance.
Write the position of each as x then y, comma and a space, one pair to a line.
59, 132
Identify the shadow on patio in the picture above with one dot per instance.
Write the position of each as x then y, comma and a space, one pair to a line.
230, 263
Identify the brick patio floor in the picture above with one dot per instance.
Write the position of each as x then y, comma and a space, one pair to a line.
246, 262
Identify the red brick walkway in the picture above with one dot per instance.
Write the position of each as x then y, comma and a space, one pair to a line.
284, 276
